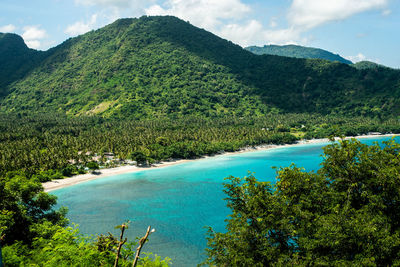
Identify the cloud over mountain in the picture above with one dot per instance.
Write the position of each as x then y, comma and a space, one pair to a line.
33, 35
81, 27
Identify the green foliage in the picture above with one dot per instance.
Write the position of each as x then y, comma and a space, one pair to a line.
48, 175
69, 170
64, 247
346, 214
51, 146
149, 260
23, 206
93, 166
297, 52
139, 156
156, 67
58, 246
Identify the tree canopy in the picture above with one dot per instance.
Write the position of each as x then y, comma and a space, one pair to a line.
347, 213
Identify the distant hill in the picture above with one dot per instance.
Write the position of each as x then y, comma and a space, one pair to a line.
163, 66
362, 65
297, 52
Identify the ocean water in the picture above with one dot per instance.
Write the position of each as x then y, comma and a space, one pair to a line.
179, 201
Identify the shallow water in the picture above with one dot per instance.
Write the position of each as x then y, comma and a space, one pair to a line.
179, 200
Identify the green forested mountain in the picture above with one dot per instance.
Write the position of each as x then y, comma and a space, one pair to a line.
163, 66
16, 59
296, 51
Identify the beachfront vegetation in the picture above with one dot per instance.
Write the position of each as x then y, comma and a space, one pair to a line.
345, 214
47, 147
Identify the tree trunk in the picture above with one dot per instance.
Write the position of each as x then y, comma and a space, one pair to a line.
141, 242
121, 243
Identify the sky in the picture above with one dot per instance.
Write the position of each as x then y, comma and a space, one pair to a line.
355, 29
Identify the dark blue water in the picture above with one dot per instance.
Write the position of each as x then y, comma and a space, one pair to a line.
178, 201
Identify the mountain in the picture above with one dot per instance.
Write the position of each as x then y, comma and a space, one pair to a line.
297, 52
16, 59
162, 66
135, 67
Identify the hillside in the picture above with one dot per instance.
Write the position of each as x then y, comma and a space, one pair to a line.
16, 59
162, 66
362, 65
137, 68
297, 52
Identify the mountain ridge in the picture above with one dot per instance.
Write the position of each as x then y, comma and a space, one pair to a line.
365, 64
162, 66
16, 59
297, 51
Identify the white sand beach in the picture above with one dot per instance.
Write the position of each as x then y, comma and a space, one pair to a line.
61, 183
102, 173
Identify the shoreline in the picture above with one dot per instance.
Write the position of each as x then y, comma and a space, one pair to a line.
107, 172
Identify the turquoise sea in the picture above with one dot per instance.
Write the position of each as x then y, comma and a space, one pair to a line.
179, 200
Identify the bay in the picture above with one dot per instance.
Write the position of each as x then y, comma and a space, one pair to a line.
179, 201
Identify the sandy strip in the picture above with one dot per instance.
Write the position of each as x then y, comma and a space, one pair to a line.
77, 179
61, 183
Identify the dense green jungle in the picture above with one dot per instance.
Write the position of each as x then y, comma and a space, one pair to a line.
157, 88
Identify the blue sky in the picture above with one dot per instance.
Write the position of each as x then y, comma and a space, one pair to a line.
355, 29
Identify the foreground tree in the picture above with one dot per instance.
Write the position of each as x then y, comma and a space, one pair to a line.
347, 213
59, 246
23, 206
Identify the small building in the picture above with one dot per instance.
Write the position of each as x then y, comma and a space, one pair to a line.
374, 133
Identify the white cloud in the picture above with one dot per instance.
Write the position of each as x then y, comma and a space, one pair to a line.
227, 18
208, 14
110, 10
35, 44
32, 36
273, 23
302, 16
386, 12
119, 3
283, 36
359, 57
242, 34
156, 10
81, 27
308, 14
33, 33
7, 28
127, 7
253, 33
